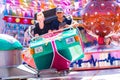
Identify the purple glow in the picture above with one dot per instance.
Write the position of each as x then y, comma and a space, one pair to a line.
25, 20
118, 1
9, 19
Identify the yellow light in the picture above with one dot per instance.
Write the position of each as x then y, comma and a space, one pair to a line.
76, 38
32, 21
17, 20
31, 51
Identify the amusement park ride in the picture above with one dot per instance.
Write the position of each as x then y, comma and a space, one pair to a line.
61, 52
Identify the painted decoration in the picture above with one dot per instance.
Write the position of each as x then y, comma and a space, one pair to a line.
102, 17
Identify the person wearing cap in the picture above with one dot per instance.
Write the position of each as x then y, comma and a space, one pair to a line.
61, 21
40, 27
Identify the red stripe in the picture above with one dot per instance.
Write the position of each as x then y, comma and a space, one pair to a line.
59, 62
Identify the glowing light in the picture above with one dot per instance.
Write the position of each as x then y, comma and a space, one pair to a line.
112, 5
86, 14
108, 13
17, 20
112, 23
102, 4
118, 14
96, 13
104, 31
9, 19
25, 21
92, 23
32, 21
92, 5
97, 31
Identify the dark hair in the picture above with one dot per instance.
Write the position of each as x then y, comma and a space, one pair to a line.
35, 16
81, 28
25, 29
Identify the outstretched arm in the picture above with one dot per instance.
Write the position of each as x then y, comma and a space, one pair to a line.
92, 34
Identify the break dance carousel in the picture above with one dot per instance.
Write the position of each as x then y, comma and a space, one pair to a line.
63, 54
